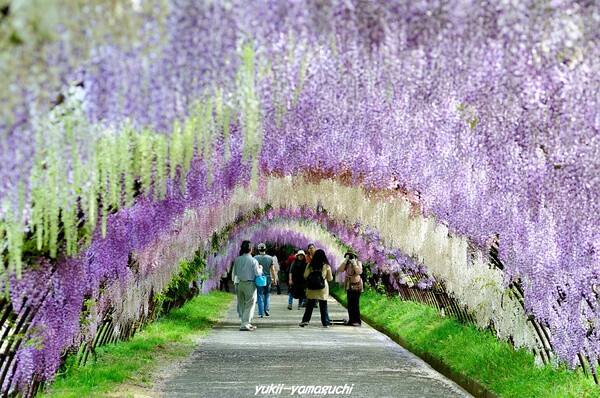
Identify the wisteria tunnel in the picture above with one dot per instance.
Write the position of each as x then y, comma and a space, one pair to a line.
454, 144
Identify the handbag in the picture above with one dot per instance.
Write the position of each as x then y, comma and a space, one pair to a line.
260, 280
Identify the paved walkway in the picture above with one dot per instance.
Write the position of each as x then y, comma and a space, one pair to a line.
280, 357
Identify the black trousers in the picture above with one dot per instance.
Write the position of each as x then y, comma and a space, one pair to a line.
310, 305
353, 306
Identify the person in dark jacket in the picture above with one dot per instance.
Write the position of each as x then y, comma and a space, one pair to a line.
296, 280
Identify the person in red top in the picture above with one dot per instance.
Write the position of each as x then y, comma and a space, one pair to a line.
290, 260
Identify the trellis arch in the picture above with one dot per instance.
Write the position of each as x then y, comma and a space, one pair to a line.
123, 298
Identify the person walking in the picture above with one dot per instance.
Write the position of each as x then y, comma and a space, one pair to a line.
290, 260
224, 282
310, 252
317, 275
264, 292
353, 285
277, 285
246, 269
296, 280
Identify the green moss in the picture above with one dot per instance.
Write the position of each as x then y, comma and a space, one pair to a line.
471, 352
172, 336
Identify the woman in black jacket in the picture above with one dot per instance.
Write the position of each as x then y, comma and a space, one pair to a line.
297, 284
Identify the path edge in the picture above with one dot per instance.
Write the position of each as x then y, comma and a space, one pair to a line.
471, 385
159, 387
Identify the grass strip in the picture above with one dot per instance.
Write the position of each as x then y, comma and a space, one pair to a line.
132, 362
469, 352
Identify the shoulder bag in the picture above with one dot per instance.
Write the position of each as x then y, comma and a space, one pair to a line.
260, 280
354, 281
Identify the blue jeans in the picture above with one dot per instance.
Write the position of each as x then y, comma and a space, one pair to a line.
264, 297
301, 302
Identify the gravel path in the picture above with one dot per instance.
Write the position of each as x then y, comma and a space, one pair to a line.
281, 359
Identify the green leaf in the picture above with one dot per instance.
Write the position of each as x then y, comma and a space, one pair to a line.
474, 123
